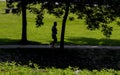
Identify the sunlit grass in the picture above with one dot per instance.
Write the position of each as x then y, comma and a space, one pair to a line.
7, 68
76, 31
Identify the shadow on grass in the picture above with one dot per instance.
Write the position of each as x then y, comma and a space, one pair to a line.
69, 41
6, 41
92, 41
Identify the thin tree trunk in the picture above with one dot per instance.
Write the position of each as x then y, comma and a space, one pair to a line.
63, 25
24, 22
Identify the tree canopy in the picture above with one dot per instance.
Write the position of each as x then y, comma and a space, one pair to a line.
98, 14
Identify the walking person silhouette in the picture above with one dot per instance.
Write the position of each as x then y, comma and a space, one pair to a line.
54, 32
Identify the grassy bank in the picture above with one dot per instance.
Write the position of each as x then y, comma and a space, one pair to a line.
13, 69
82, 58
76, 31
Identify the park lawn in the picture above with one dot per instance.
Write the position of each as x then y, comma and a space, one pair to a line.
76, 31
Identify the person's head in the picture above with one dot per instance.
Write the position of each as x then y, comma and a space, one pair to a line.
55, 23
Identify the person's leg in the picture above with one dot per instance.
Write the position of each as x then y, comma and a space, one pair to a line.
54, 40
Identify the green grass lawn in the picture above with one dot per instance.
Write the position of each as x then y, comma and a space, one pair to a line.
76, 31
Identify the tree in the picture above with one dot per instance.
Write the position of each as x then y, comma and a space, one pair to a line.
97, 14
24, 22
101, 15
67, 4
21, 7
57, 8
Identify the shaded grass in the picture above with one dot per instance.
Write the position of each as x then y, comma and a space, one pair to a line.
92, 41
11, 26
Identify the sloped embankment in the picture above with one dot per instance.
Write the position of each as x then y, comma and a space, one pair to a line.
48, 57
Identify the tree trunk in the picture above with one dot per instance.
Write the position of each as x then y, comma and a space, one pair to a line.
24, 22
63, 25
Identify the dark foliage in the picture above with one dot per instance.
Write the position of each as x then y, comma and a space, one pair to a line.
100, 17
82, 58
98, 14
